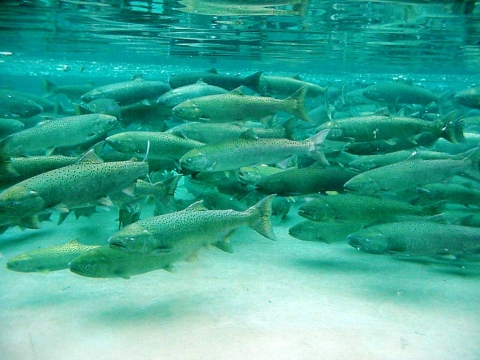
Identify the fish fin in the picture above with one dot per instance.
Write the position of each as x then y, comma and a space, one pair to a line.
453, 129
267, 120
289, 126
61, 208
474, 157
193, 256
297, 77
90, 158
105, 200
6, 168
252, 81
170, 268
49, 151
263, 212
129, 190
249, 134
48, 87
296, 104
86, 211
62, 217
121, 274
138, 77
43, 271
80, 109
316, 142
30, 222
171, 184
285, 164
212, 167
196, 206
237, 91
212, 71
382, 112
224, 246
73, 242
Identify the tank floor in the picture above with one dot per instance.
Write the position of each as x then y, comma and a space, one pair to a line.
287, 299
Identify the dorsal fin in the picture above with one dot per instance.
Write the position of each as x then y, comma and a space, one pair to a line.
237, 91
73, 242
90, 158
212, 71
297, 77
249, 134
138, 77
382, 112
196, 206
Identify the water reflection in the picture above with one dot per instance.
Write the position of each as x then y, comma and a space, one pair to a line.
355, 34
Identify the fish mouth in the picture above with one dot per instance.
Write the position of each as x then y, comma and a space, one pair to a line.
306, 214
75, 270
117, 246
354, 242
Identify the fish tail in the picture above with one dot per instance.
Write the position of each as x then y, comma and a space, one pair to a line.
170, 184
6, 169
289, 127
474, 158
81, 110
253, 80
295, 104
48, 87
262, 211
316, 146
453, 129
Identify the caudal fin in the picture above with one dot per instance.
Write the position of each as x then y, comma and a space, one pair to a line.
453, 128
474, 158
295, 104
316, 146
48, 87
263, 213
253, 80
7, 172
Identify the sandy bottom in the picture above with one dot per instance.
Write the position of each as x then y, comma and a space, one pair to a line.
269, 300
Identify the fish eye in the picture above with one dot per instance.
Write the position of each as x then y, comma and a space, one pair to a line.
86, 266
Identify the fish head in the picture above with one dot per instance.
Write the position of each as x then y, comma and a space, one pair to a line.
106, 122
369, 240
196, 160
187, 110
18, 201
133, 238
307, 231
92, 264
468, 97
249, 175
22, 263
170, 99
92, 95
122, 142
363, 184
362, 164
373, 93
317, 211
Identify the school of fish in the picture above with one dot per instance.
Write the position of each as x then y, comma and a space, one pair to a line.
388, 168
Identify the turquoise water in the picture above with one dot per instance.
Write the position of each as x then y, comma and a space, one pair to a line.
288, 299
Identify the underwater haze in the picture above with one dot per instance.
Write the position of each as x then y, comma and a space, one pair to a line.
240, 179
